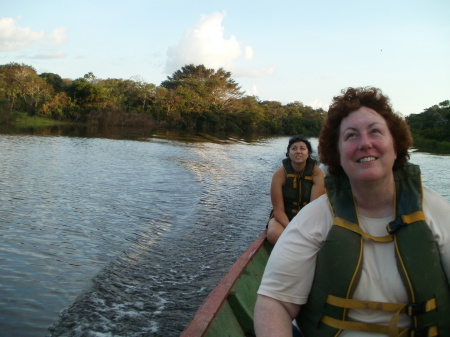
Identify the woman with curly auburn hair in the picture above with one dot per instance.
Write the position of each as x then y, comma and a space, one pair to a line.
371, 257
351, 100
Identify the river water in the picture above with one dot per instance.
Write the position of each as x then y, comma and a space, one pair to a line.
121, 237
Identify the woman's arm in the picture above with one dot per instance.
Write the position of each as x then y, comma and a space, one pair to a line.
318, 187
437, 209
273, 317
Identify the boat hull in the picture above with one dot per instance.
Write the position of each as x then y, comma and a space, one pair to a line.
228, 309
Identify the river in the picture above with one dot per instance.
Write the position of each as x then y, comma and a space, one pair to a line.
126, 237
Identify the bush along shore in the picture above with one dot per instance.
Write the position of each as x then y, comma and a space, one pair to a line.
193, 99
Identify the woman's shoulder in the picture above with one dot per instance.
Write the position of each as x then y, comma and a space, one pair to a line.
435, 206
319, 205
432, 195
318, 171
434, 201
280, 173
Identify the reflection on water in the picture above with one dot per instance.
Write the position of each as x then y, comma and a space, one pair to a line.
126, 133
127, 237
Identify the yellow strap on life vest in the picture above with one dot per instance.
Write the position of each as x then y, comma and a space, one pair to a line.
292, 175
428, 306
413, 217
294, 181
357, 304
349, 303
392, 330
296, 178
406, 220
432, 332
367, 327
355, 228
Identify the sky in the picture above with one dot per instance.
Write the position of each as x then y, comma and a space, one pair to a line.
285, 51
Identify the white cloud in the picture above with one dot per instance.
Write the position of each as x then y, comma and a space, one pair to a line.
56, 55
248, 53
13, 37
206, 44
316, 104
253, 91
59, 35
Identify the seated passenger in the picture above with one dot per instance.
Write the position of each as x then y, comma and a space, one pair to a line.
295, 184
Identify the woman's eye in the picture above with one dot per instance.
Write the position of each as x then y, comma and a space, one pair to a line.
349, 136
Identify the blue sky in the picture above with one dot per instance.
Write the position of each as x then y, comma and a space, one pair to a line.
285, 51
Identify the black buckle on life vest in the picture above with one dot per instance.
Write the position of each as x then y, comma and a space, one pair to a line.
395, 225
418, 332
413, 309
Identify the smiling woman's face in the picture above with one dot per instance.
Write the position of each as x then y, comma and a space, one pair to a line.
366, 146
298, 152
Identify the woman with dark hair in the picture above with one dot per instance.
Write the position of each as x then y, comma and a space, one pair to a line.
372, 256
294, 185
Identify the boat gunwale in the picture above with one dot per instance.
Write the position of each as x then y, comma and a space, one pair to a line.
214, 301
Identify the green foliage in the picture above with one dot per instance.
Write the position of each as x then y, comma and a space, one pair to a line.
194, 98
430, 145
23, 120
196, 90
430, 129
60, 107
22, 88
129, 95
54, 80
86, 94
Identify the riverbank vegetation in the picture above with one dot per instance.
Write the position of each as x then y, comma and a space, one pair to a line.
431, 128
194, 99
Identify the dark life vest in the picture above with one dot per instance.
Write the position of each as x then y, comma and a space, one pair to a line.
339, 260
297, 189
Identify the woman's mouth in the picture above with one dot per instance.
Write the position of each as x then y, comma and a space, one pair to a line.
366, 159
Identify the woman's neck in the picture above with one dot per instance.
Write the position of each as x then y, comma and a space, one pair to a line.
375, 200
298, 168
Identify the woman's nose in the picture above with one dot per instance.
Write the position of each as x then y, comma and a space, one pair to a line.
366, 142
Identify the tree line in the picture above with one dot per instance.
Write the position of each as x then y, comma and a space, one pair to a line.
194, 98
431, 128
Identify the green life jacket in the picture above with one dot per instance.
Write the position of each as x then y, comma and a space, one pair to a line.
339, 262
297, 189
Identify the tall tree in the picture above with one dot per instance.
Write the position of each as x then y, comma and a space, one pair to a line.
54, 80
23, 88
215, 90
86, 93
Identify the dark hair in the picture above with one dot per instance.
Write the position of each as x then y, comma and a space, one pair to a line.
350, 100
299, 139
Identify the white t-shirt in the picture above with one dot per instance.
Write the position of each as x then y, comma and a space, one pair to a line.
290, 270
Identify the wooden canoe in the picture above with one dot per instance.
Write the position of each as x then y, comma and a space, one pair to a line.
228, 309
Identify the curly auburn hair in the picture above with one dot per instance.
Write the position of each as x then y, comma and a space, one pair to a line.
350, 100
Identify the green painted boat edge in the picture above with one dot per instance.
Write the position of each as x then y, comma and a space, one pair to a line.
228, 309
